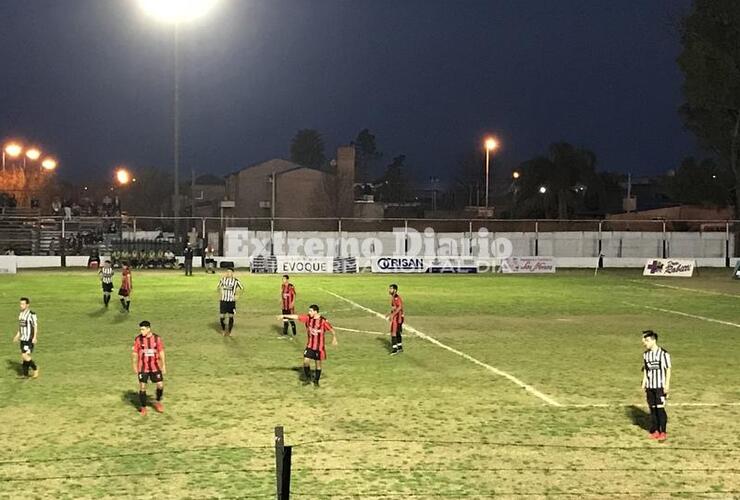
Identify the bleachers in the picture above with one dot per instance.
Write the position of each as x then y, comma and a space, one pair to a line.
18, 231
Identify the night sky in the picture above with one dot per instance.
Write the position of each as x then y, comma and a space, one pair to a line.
91, 80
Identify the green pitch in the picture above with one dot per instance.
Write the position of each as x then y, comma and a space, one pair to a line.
429, 423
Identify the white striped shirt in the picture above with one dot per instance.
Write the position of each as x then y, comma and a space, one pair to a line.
106, 274
228, 288
655, 365
27, 324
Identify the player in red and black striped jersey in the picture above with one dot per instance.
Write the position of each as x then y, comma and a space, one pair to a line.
126, 288
287, 300
316, 328
396, 319
147, 361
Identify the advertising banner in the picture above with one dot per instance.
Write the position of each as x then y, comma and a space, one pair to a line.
424, 265
528, 265
680, 268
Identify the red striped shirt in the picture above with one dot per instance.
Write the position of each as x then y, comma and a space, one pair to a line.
148, 349
316, 329
288, 295
126, 279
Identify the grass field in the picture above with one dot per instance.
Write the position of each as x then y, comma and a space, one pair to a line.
429, 423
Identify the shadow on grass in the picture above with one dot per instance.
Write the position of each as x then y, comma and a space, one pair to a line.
100, 312
121, 316
216, 326
14, 366
131, 398
384, 342
298, 370
638, 417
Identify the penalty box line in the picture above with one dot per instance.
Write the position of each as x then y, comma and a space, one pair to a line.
544, 397
687, 315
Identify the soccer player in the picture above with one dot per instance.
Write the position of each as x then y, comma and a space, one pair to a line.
147, 361
316, 328
106, 280
228, 285
656, 381
126, 288
396, 319
27, 334
287, 295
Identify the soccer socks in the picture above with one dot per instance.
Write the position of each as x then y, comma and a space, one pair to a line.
106, 299
285, 328
223, 323
292, 326
127, 305
142, 398
307, 372
160, 393
123, 303
231, 324
654, 420
25, 368
398, 341
662, 419
318, 375
32, 365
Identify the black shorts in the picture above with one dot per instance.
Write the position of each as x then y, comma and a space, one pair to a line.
26, 347
227, 307
288, 311
124, 292
107, 287
655, 397
314, 354
152, 377
396, 327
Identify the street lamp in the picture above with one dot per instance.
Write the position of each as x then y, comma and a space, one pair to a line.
515, 175
123, 176
491, 144
176, 12
12, 150
49, 163
543, 189
33, 154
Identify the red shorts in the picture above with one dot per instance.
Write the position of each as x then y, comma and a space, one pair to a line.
124, 292
396, 325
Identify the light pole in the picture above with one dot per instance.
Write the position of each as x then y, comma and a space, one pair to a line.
176, 13
491, 144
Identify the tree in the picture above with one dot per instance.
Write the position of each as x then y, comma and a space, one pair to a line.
710, 62
367, 155
568, 175
701, 183
394, 185
307, 149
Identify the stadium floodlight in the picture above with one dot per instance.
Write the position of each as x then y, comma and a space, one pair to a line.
49, 163
33, 154
176, 11
543, 189
515, 175
123, 176
13, 149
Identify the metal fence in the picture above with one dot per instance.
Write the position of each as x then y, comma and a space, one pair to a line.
48, 235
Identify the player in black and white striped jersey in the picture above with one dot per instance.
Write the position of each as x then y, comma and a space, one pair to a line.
229, 286
656, 381
27, 335
106, 280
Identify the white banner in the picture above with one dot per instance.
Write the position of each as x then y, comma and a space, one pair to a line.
297, 264
424, 265
528, 265
8, 264
236, 241
681, 268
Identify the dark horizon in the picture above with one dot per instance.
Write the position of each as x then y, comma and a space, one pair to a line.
91, 81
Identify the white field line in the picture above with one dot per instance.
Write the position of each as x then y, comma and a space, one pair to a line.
360, 331
679, 313
544, 397
642, 403
693, 290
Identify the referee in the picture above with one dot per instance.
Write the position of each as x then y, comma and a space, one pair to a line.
228, 285
106, 279
27, 334
656, 381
